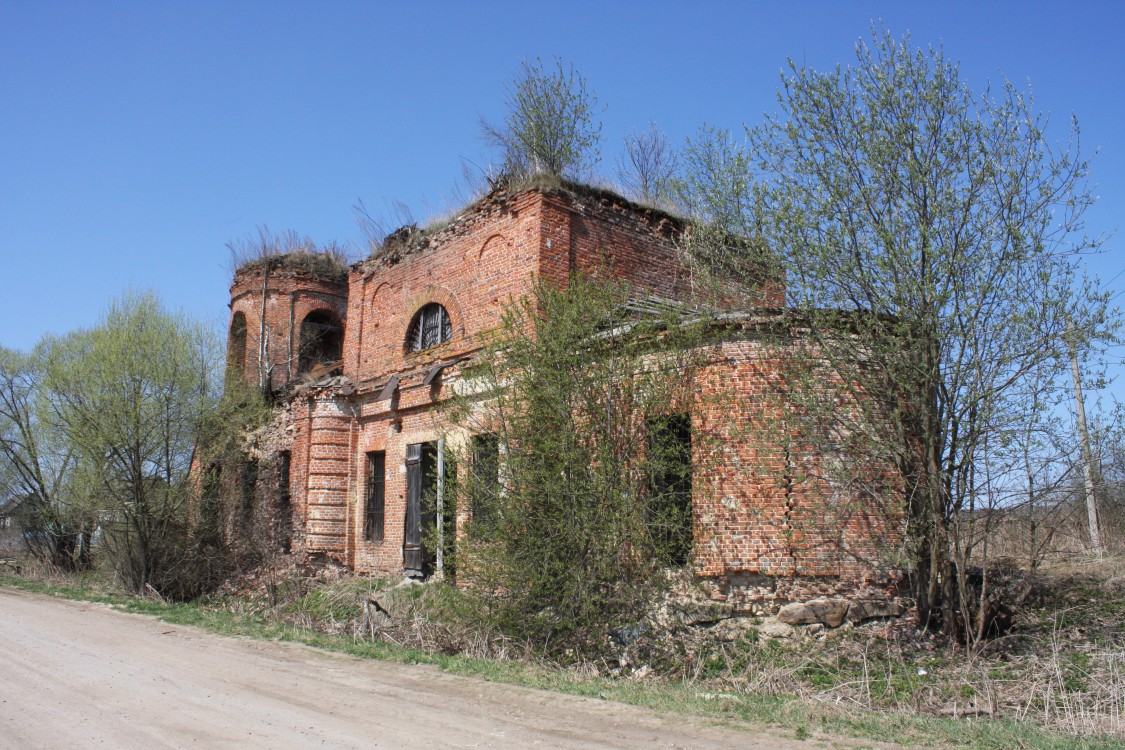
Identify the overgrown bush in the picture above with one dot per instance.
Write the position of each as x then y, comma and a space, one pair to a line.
579, 493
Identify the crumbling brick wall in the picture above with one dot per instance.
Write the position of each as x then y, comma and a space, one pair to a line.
273, 299
472, 266
778, 497
763, 512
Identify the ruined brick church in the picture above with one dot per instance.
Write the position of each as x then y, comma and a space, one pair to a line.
360, 359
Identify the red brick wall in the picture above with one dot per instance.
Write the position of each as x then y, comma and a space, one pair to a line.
472, 267
601, 237
290, 295
770, 499
761, 505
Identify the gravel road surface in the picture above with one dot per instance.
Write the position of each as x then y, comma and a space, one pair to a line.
83, 675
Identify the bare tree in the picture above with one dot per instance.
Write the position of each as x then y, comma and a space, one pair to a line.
945, 230
37, 467
647, 167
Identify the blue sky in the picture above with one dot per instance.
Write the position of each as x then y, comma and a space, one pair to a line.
137, 139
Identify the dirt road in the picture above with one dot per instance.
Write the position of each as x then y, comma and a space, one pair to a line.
75, 674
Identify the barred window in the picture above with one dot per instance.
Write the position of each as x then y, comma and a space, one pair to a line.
376, 480
431, 326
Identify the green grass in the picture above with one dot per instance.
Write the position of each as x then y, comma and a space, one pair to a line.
792, 716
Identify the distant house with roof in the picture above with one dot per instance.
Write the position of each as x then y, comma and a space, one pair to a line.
11, 526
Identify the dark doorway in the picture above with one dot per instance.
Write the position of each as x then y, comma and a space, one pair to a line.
429, 517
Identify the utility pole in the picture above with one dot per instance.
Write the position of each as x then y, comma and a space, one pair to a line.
1084, 438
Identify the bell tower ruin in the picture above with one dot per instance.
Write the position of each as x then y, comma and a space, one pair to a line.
287, 319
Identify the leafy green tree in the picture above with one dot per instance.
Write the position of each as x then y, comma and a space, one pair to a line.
579, 487
931, 240
129, 396
37, 466
551, 126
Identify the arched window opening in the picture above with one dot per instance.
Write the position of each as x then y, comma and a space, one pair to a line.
322, 342
431, 326
236, 346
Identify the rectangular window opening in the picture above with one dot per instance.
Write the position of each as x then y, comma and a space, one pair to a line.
210, 505
668, 510
376, 483
484, 487
248, 488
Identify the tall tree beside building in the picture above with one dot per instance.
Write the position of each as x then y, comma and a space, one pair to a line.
953, 226
37, 465
129, 396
